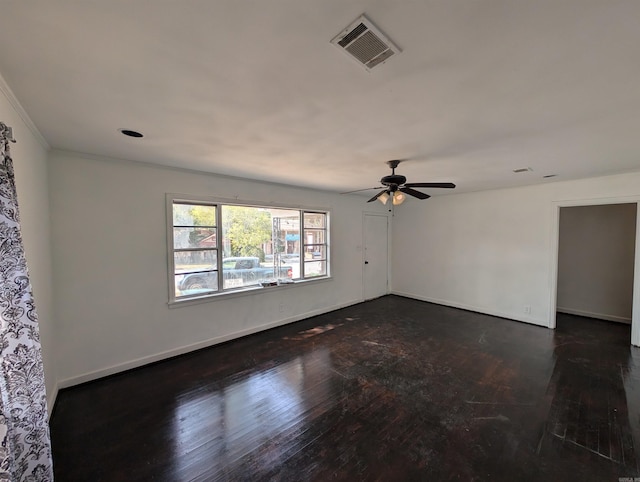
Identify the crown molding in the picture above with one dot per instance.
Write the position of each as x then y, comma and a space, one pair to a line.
15, 103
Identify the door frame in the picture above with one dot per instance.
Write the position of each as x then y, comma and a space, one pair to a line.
555, 244
364, 244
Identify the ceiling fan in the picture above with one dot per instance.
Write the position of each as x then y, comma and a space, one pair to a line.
396, 186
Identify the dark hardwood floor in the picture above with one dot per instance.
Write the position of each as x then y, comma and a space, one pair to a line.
391, 389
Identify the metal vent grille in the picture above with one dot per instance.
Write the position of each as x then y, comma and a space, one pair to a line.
366, 44
347, 39
367, 47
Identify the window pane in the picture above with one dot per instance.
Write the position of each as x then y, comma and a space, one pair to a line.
315, 268
286, 232
249, 271
292, 261
314, 220
315, 252
263, 237
201, 260
246, 231
196, 283
194, 238
314, 236
229, 263
192, 215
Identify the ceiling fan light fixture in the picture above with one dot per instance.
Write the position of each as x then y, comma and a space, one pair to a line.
398, 198
397, 188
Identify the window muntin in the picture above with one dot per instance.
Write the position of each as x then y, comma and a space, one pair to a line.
221, 248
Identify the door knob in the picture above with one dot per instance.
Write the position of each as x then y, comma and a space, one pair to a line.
366, 262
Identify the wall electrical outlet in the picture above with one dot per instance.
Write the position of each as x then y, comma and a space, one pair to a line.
281, 307
527, 309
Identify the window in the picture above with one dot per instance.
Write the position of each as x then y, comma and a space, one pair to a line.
217, 248
315, 244
195, 246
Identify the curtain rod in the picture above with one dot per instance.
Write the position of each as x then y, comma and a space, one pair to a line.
6, 132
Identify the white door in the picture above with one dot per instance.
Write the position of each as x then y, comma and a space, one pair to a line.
376, 266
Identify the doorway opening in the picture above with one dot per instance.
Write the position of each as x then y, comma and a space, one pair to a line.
596, 262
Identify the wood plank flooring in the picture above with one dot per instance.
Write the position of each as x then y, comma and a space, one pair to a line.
391, 389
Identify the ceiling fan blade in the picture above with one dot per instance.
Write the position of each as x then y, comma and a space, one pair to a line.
414, 193
447, 185
376, 196
365, 189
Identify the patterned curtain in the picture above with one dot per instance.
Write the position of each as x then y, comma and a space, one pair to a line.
25, 448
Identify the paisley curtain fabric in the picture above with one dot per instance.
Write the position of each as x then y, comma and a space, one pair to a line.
25, 448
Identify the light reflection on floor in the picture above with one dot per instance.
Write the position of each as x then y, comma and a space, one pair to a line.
252, 415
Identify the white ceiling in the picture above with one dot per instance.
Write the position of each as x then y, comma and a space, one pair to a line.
254, 88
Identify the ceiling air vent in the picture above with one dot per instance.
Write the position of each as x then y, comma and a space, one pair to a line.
363, 42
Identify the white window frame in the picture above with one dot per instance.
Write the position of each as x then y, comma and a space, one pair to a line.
304, 244
172, 198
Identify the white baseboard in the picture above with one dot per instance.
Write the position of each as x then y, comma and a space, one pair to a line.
103, 372
599, 316
477, 309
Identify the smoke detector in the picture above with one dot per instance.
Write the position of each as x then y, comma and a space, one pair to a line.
365, 43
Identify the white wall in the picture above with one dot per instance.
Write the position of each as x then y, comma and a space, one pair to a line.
492, 251
595, 261
110, 265
29, 155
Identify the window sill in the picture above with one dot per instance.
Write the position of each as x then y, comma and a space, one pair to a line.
243, 292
